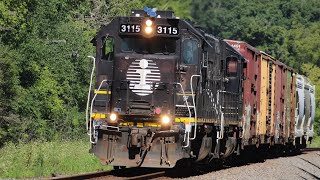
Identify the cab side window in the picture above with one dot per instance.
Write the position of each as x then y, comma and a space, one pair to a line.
232, 66
190, 51
107, 48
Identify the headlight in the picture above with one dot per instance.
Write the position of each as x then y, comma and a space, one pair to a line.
148, 30
165, 120
113, 117
148, 27
149, 22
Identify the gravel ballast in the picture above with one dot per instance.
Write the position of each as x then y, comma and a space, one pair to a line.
304, 166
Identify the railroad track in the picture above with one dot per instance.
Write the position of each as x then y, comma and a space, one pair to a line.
310, 149
132, 173
127, 174
83, 176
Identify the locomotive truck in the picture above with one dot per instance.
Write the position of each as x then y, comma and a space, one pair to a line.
166, 92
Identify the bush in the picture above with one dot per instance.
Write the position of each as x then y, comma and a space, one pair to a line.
45, 159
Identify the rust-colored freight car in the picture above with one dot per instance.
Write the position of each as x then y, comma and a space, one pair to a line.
268, 97
277, 100
251, 89
267, 76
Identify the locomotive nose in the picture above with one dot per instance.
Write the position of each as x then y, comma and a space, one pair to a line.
144, 85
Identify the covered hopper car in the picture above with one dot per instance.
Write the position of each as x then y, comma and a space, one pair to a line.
166, 92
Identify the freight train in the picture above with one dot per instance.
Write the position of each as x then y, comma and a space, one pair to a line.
166, 93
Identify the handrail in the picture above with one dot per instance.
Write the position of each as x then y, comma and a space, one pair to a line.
91, 109
195, 109
186, 140
221, 124
114, 127
187, 131
91, 78
222, 116
241, 135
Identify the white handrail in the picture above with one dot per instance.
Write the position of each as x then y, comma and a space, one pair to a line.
87, 108
91, 109
195, 109
221, 125
222, 116
185, 99
188, 139
186, 131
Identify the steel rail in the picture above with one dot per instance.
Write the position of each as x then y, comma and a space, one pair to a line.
310, 149
148, 176
118, 174
83, 176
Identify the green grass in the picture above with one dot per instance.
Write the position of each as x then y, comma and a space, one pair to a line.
44, 159
315, 142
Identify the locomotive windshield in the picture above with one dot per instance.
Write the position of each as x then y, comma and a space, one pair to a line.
155, 45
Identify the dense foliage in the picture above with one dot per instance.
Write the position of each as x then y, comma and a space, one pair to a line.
286, 29
44, 71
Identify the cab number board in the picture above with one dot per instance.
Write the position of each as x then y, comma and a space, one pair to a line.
130, 28
167, 30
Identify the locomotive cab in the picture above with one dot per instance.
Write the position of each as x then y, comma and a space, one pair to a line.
162, 87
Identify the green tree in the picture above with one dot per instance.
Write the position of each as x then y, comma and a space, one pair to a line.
313, 73
285, 29
44, 67
9, 90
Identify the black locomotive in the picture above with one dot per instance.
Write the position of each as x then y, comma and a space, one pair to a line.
165, 91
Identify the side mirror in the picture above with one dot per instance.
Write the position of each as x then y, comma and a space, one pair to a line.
205, 59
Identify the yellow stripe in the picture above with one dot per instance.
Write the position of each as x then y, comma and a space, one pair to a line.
126, 124
101, 92
184, 119
151, 124
96, 116
201, 120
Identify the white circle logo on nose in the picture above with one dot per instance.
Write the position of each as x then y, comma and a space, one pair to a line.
142, 74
